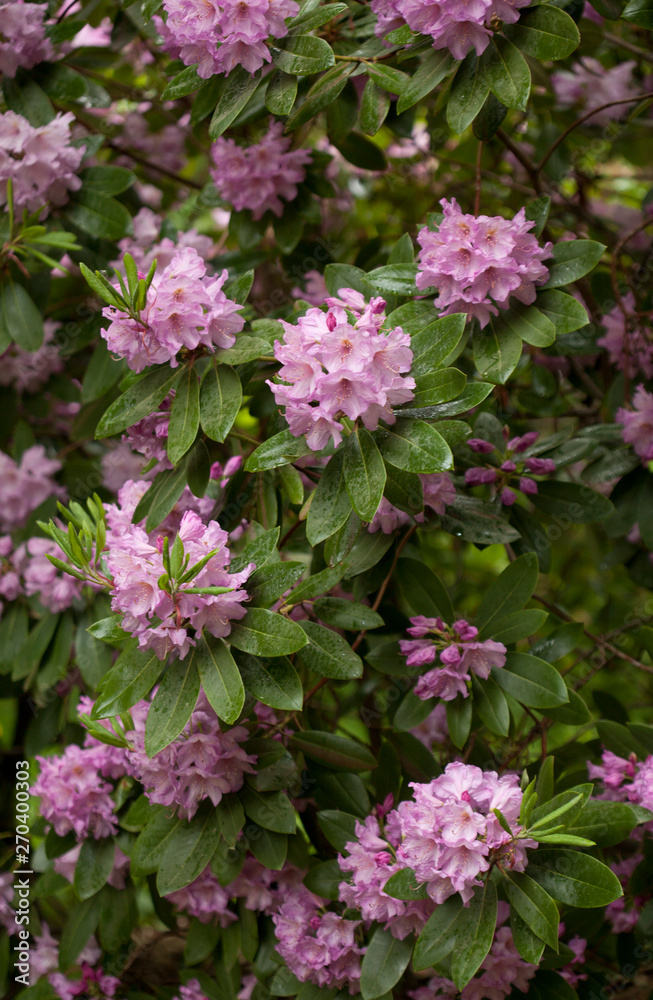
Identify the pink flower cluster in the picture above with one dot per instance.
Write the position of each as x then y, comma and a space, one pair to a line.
628, 344
44, 961
185, 308
339, 363
29, 371
29, 571
371, 865
438, 491
638, 423
477, 263
502, 970
257, 177
459, 652
448, 833
589, 84
136, 566
149, 436
317, 947
93, 983
147, 244
40, 161
73, 794
23, 43
203, 762
191, 991
625, 780
452, 24
512, 467
219, 35
25, 485
623, 914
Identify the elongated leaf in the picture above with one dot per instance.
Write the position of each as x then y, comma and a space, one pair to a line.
384, 963
184, 415
534, 906
545, 32
172, 704
302, 55
468, 93
271, 810
490, 703
507, 73
497, 349
94, 866
265, 633
141, 399
573, 259
423, 591
330, 505
277, 450
510, 592
574, 878
435, 66
273, 681
346, 614
338, 753
220, 400
415, 446
20, 320
133, 675
239, 87
572, 502
153, 841
189, 850
338, 827
439, 934
364, 473
531, 681
327, 653
281, 93
220, 677
474, 934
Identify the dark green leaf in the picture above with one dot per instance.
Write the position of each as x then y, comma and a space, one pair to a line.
468, 93
531, 681
324, 879
172, 704
322, 93
546, 32
534, 906
140, 399
491, 705
301, 55
375, 105
497, 349
281, 93
328, 655
423, 591
221, 680
273, 681
507, 73
337, 753
384, 963
338, 827
189, 850
220, 400
184, 415
509, 592
330, 504
435, 66
571, 260
474, 934
364, 473
133, 675
277, 450
265, 633
579, 504
98, 214
346, 614
415, 446
574, 878
405, 885
459, 720
393, 279
20, 320
439, 934
94, 866
271, 810
239, 87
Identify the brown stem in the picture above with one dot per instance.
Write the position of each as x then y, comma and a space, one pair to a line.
579, 121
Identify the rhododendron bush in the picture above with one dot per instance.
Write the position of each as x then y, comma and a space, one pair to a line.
326, 499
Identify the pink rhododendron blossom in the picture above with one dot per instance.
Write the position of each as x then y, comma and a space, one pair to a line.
191, 991
638, 423
44, 957
147, 244
150, 436
478, 263
219, 35
28, 371
506, 468
317, 947
73, 795
628, 344
341, 362
23, 42
203, 762
94, 982
205, 899
452, 24
257, 177
158, 618
438, 492
434, 729
459, 652
371, 865
448, 833
623, 914
40, 161
315, 289
625, 780
25, 485
589, 84
184, 308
